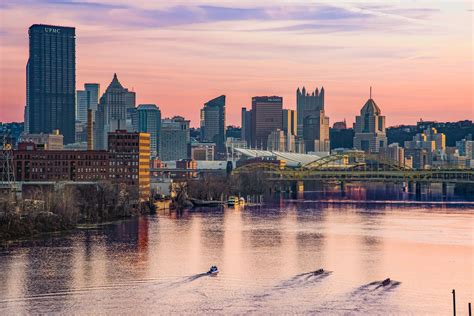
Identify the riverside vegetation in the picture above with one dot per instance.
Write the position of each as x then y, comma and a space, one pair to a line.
44, 210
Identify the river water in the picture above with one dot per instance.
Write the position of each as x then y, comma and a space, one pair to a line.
156, 264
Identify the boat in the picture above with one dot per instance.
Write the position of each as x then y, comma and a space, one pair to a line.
213, 271
386, 282
235, 201
204, 203
318, 272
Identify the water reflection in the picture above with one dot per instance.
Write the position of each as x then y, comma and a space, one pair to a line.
267, 257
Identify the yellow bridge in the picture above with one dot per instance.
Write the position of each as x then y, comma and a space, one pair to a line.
356, 167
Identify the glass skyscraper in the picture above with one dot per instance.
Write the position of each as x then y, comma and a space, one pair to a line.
213, 123
51, 80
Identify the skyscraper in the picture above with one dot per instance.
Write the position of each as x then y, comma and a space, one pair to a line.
316, 132
147, 119
213, 123
289, 122
87, 99
173, 143
308, 104
266, 117
51, 80
246, 132
370, 128
112, 110
313, 124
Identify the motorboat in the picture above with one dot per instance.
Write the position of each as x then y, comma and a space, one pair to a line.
318, 272
386, 282
235, 201
213, 271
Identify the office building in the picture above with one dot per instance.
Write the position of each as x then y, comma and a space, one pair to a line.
146, 118
173, 141
130, 160
266, 117
370, 128
112, 111
203, 151
289, 121
213, 128
316, 132
51, 81
54, 141
246, 133
35, 164
308, 105
87, 99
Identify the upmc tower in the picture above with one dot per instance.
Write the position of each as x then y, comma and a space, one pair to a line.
51, 81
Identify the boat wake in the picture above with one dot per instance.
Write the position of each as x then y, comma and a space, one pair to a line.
303, 279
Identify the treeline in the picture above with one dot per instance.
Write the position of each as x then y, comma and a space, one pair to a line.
212, 187
43, 209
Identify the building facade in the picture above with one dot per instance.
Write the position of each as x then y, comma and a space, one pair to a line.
87, 99
34, 164
147, 119
246, 134
173, 143
266, 117
213, 128
51, 80
54, 141
369, 128
308, 105
112, 112
203, 151
130, 160
316, 132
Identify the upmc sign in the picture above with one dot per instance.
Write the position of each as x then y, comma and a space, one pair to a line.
51, 30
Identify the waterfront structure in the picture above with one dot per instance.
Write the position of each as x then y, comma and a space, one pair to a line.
112, 111
54, 141
266, 117
130, 160
51, 80
87, 99
146, 118
173, 143
308, 105
213, 123
370, 128
203, 151
246, 133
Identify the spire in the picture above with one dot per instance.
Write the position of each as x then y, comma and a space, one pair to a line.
370, 96
115, 83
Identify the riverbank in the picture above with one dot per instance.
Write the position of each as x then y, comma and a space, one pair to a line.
62, 210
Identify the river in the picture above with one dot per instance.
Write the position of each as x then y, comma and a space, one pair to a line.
156, 264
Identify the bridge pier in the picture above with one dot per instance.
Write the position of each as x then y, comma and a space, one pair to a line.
444, 188
418, 189
300, 186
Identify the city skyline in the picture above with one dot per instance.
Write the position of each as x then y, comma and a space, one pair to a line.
417, 58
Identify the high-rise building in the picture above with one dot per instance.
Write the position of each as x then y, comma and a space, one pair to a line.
213, 123
87, 99
112, 111
246, 133
130, 160
290, 125
183, 125
308, 104
266, 117
370, 128
51, 80
316, 132
147, 119
173, 139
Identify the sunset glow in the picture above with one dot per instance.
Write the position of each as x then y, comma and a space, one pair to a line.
418, 56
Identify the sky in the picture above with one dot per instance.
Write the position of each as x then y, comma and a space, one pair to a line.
416, 54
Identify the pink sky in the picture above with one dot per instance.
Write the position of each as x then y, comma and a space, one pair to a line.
417, 55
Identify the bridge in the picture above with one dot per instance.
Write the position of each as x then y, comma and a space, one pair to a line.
356, 167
